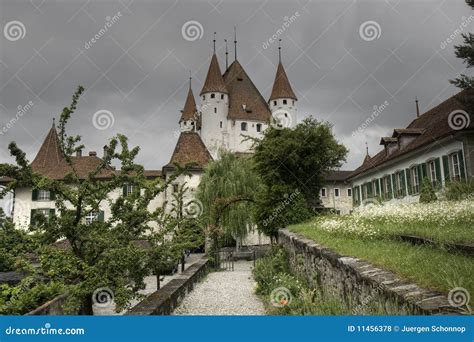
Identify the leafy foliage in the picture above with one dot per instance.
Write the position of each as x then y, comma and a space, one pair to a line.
427, 193
459, 190
292, 163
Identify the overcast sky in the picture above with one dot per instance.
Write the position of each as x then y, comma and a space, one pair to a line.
138, 69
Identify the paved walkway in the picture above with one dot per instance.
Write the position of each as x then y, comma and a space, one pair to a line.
224, 293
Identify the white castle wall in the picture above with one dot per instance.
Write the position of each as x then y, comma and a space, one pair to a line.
214, 121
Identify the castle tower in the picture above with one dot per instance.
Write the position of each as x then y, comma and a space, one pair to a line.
190, 120
214, 109
283, 100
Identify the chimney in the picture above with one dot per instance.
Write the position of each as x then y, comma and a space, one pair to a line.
79, 153
92, 154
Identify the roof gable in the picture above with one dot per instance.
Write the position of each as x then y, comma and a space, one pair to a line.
190, 150
214, 81
189, 112
50, 154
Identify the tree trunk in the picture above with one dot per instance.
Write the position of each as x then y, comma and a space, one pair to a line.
158, 283
86, 306
183, 261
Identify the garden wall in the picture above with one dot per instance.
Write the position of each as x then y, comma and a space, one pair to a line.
166, 299
357, 282
52, 308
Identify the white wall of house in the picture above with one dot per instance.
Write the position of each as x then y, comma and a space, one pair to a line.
423, 155
337, 196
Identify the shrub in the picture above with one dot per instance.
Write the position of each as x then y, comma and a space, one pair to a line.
460, 190
427, 193
267, 268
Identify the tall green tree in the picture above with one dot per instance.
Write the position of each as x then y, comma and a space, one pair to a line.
102, 253
227, 192
292, 164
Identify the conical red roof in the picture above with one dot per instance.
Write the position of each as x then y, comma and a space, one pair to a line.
50, 155
281, 86
214, 81
190, 150
190, 110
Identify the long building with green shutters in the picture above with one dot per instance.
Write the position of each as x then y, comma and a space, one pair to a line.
438, 145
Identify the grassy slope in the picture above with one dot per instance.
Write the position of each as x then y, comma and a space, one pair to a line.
428, 267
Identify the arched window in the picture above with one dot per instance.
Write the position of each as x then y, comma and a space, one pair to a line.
213, 96
243, 126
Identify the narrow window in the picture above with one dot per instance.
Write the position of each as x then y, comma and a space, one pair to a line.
175, 187
323, 192
215, 110
414, 180
213, 96
455, 166
221, 124
203, 97
336, 192
44, 195
222, 96
432, 168
349, 192
285, 102
293, 102
259, 127
274, 103
243, 126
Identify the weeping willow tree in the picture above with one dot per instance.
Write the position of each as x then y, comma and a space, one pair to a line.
227, 192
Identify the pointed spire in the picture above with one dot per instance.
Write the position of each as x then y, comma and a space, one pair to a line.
49, 154
54, 122
281, 85
214, 81
214, 43
417, 107
189, 111
366, 148
226, 55
235, 43
279, 50
367, 155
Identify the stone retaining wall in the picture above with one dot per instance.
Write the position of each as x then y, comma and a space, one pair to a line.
357, 281
166, 299
52, 308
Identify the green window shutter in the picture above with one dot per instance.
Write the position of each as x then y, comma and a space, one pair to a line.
404, 188
389, 182
438, 172
420, 175
461, 164
52, 213
32, 216
124, 190
52, 195
369, 190
408, 177
377, 186
424, 174
446, 168
34, 195
100, 217
394, 188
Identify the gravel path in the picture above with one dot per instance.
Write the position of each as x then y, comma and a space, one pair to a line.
224, 293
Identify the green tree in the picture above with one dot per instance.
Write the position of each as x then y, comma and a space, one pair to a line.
466, 52
427, 192
103, 253
227, 192
292, 164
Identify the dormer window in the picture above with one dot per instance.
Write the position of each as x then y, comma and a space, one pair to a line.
285, 102
213, 96
243, 126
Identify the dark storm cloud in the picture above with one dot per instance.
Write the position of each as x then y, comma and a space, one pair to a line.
138, 68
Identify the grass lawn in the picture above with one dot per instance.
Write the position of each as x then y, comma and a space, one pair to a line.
369, 237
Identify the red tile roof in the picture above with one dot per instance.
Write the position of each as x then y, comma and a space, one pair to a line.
190, 150
242, 92
281, 85
433, 124
214, 81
